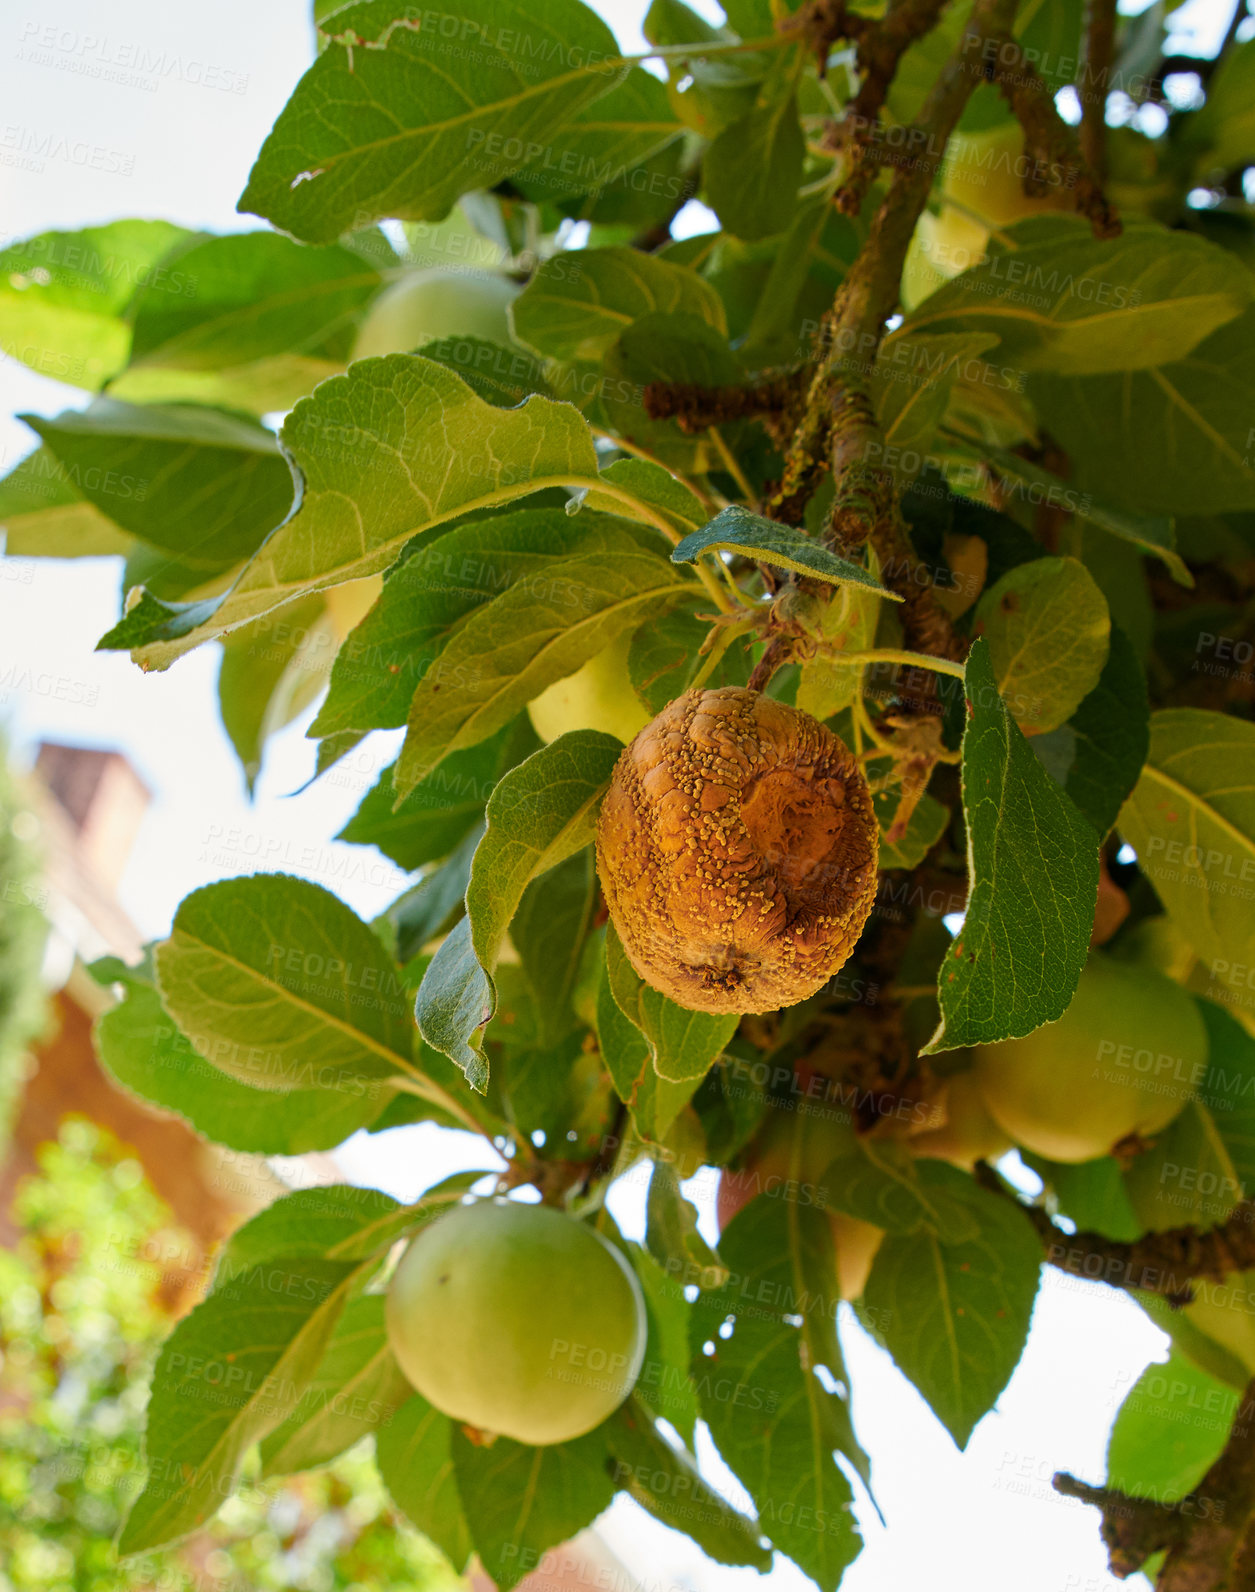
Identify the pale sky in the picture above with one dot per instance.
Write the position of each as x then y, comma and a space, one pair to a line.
984, 1519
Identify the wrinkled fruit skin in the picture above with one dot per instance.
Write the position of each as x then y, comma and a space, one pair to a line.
517, 1320
1120, 1061
737, 851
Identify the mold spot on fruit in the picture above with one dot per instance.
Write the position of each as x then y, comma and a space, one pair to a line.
737, 849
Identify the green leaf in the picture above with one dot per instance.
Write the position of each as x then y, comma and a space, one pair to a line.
1225, 125
740, 530
912, 380
1149, 533
664, 1385
1203, 1163
880, 1184
442, 809
1164, 1195
1189, 1177
407, 126
534, 634
539, 814
718, 89
577, 304
502, 377
436, 902
624, 1049
203, 484
663, 348
807, 264
774, 1422
268, 317
258, 294
455, 999
1061, 300
1227, 1092
602, 142
1090, 1193
955, 1316
1217, 1359
671, 1234
1048, 632
548, 932
394, 447
847, 624
63, 294
229, 1373
683, 1044
1032, 865
337, 1221
1169, 440
278, 984
665, 1480
925, 827
1171, 1428
428, 597
663, 656
647, 484
357, 1388
1191, 820
519, 1500
753, 169
628, 1054
1098, 754
145, 1053
42, 514
414, 1455
270, 671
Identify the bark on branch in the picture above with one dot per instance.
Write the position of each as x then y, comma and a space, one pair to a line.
1164, 1262
1208, 1535
693, 408
838, 429
1097, 57
1048, 140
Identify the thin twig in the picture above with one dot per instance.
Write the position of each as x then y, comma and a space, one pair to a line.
1098, 53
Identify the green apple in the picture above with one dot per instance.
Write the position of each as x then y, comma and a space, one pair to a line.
517, 1320
436, 303
348, 605
600, 696
982, 188
969, 1134
1122, 1060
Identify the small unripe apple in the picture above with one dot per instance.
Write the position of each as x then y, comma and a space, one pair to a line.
780, 1169
598, 696
969, 1134
1121, 1061
432, 304
984, 173
348, 605
517, 1320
